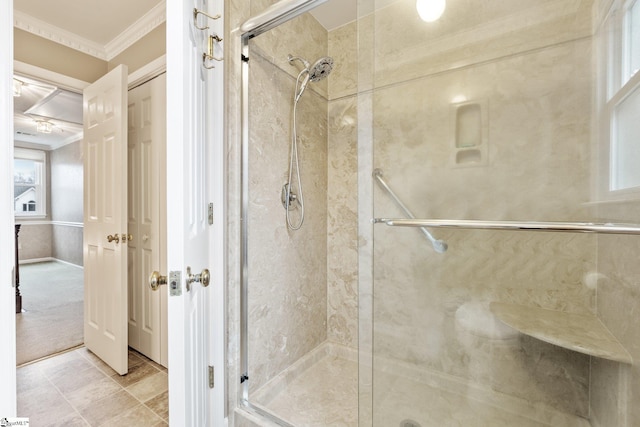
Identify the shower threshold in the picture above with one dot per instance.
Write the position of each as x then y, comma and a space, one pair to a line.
321, 389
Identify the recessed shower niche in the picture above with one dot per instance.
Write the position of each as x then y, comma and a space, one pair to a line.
470, 132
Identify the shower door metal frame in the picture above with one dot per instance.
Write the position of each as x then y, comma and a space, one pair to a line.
273, 16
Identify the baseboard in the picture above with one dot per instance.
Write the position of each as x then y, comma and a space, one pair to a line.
48, 259
36, 260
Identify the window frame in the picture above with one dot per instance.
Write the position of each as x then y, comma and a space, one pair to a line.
615, 84
40, 157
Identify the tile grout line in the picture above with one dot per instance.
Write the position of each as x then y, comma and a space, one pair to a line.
143, 360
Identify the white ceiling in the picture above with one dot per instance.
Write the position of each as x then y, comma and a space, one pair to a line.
42, 101
99, 21
95, 25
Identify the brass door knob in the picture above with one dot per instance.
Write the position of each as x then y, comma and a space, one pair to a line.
203, 278
115, 238
155, 280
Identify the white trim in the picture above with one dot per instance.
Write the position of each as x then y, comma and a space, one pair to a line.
60, 80
68, 224
147, 72
8, 402
36, 260
120, 43
50, 32
49, 259
136, 31
63, 223
70, 264
70, 140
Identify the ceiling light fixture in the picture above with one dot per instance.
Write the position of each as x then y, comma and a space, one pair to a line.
44, 126
430, 10
17, 87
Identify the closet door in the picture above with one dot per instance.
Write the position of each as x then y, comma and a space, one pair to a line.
105, 218
146, 201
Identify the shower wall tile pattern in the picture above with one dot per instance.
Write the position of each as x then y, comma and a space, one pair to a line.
287, 269
616, 387
343, 48
302, 36
471, 33
342, 223
535, 80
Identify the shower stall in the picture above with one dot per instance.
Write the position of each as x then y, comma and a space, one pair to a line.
468, 255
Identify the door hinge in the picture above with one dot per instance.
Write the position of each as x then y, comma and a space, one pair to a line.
211, 377
244, 378
210, 213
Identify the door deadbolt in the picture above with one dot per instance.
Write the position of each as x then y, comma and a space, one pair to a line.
155, 280
203, 278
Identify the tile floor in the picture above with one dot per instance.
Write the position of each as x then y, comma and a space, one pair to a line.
77, 389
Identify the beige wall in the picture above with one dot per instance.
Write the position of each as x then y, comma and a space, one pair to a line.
145, 50
52, 56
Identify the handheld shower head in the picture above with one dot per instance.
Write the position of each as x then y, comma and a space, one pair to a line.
321, 69
314, 73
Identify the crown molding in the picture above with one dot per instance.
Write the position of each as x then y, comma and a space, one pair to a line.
137, 30
124, 40
50, 32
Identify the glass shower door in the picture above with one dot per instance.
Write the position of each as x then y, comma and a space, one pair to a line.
483, 118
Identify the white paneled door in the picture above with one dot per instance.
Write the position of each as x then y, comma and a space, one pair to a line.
105, 218
146, 218
191, 176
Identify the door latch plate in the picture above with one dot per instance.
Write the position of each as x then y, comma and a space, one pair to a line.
175, 283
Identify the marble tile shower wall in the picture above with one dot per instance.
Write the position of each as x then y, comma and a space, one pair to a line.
315, 270
342, 186
615, 387
534, 83
287, 279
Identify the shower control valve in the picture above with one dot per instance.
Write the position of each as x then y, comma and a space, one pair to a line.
288, 197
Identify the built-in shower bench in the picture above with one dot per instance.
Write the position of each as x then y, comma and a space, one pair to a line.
578, 332
582, 333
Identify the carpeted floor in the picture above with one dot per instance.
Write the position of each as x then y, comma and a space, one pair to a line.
52, 297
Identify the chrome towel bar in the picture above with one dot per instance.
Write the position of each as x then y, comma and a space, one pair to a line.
568, 227
438, 245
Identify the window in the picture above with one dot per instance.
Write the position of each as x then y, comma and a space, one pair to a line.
29, 182
632, 39
619, 62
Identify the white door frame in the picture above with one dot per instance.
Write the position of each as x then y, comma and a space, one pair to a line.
192, 139
8, 403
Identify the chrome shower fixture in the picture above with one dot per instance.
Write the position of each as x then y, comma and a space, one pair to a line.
314, 73
295, 199
319, 70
